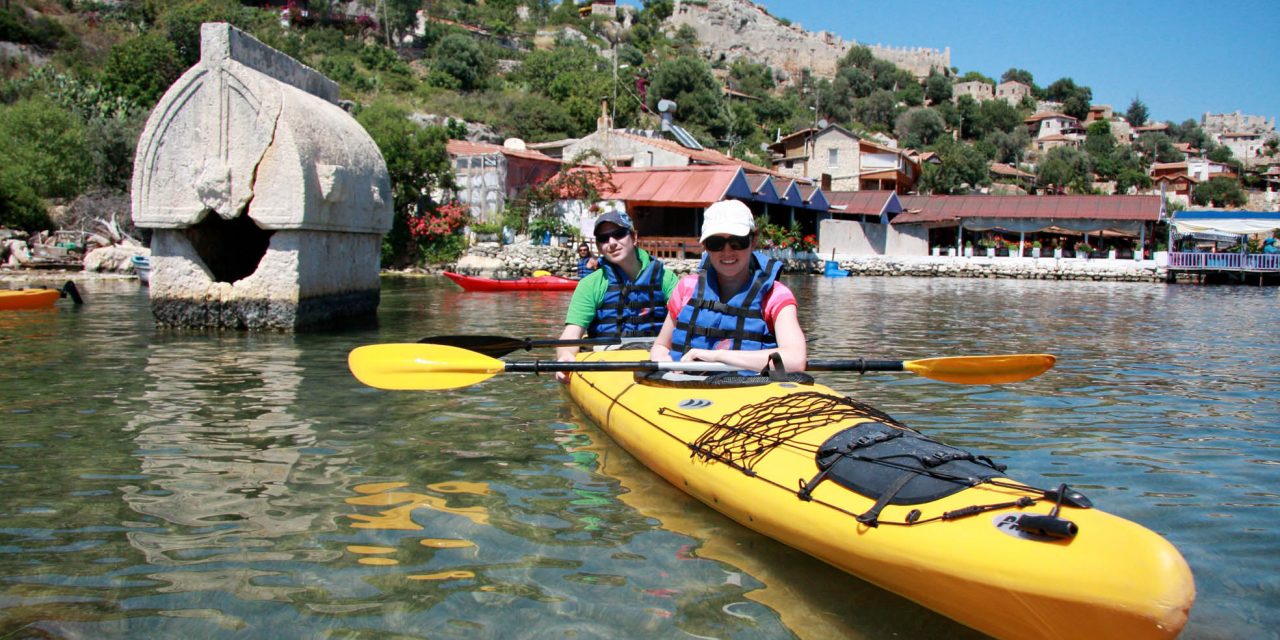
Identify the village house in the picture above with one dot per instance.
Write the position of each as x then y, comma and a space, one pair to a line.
1245, 146
1052, 123
1012, 92
976, 89
840, 160
488, 175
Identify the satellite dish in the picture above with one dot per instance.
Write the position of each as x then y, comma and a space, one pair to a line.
823, 124
514, 144
666, 105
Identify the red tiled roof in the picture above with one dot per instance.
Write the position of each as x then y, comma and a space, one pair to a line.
1045, 115
866, 203
464, 148
689, 186
948, 208
1006, 170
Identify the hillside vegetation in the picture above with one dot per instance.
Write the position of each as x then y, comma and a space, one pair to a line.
73, 103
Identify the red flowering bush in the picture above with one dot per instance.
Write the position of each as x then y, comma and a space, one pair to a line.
446, 220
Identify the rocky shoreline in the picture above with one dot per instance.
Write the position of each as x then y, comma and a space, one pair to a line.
522, 259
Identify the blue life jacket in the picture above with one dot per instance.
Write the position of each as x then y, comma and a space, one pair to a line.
631, 308
706, 322
583, 269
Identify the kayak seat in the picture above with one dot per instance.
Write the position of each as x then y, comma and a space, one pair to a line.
675, 380
895, 466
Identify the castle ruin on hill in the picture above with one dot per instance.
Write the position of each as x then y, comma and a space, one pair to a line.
731, 29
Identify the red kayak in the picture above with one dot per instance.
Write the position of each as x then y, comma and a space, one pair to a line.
540, 283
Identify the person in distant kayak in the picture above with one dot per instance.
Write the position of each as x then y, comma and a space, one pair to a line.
733, 310
586, 262
625, 298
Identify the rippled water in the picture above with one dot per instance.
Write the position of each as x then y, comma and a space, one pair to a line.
169, 484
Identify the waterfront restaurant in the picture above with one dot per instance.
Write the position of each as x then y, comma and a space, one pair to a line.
1008, 224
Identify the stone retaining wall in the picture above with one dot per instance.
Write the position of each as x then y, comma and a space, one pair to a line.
522, 259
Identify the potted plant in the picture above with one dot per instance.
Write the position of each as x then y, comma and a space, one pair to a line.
936, 250
989, 245
1083, 249
968, 248
1035, 248
1137, 251
1111, 253
487, 231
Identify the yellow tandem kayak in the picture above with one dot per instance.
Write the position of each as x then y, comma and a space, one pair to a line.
12, 299
849, 485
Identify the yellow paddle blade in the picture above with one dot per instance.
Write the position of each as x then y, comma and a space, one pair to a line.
420, 366
983, 369
541, 273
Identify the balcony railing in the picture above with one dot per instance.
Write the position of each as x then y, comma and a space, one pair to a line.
1224, 261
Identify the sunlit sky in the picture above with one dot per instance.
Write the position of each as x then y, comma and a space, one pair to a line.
1180, 57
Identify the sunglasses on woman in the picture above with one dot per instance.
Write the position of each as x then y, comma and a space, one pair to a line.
616, 234
737, 243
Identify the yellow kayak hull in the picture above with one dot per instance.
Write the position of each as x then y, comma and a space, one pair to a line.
28, 298
1114, 579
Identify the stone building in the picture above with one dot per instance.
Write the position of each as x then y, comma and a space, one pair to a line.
267, 201
488, 175
1012, 92
976, 89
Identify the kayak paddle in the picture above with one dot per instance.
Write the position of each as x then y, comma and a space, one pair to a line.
431, 366
498, 346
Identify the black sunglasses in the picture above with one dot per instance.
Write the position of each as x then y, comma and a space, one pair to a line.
616, 234
737, 243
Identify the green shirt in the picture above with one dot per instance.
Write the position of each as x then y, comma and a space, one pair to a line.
590, 291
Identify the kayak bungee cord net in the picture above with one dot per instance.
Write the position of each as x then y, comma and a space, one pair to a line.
742, 438
745, 436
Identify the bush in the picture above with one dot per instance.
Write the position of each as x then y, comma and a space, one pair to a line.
141, 70
44, 147
20, 207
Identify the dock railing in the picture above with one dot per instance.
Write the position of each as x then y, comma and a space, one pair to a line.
672, 247
1187, 260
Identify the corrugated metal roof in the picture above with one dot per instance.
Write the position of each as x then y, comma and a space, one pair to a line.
947, 208
865, 203
698, 185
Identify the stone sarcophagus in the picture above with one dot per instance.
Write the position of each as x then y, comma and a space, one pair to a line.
267, 200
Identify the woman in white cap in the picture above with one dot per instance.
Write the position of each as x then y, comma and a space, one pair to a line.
733, 310
625, 297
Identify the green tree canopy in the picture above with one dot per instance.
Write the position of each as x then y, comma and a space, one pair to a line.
919, 127
1065, 167
142, 69
1219, 192
1018, 75
1075, 99
688, 82
963, 168
44, 146
1137, 114
459, 63
937, 88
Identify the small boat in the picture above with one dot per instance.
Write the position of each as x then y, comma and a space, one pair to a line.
142, 267
537, 283
850, 485
38, 298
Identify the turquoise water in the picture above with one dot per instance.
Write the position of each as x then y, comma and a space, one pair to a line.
166, 484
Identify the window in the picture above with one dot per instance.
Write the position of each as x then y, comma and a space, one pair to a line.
833, 157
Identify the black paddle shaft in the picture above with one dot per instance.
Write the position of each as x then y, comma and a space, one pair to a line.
539, 366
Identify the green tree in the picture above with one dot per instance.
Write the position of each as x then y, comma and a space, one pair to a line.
182, 21
44, 146
1075, 99
1065, 168
459, 63
1008, 146
417, 164
142, 69
993, 115
877, 111
858, 57
1099, 144
1157, 147
963, 168
20, 207
751, 78
1018, 75
688, 82
1219, 192
919, 127
1137, 114
937, 88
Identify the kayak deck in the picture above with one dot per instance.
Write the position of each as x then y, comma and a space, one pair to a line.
28, 298
755, 453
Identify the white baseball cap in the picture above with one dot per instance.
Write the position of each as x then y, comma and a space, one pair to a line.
728, 216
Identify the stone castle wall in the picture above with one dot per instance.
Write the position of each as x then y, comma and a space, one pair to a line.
731, 29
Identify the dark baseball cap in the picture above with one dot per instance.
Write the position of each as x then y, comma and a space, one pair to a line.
616, 216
